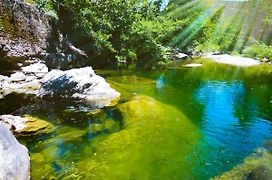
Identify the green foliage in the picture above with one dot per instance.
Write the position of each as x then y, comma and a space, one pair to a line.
259, 51
137, 32
47, 6
117, 32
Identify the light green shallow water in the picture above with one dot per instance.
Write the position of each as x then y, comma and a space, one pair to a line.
174, 124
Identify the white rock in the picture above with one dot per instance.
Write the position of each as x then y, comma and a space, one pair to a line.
18, 76
30, 78
3, 78
15, 122
25, 87
234, 60
38, 69
181, 55
14, 158
80, 83
193, 65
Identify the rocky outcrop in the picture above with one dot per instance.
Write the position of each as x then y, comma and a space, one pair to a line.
27, 81
14, 158
82, 84
17, 50
79, 84
23, 20
26, 32
28, 125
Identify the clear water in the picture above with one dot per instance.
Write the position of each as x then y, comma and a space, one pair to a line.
228, 110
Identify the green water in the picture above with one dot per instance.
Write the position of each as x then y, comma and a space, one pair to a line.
179, 123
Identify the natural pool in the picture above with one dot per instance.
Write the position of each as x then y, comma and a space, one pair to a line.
181, 123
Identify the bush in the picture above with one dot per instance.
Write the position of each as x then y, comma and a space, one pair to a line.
258, 51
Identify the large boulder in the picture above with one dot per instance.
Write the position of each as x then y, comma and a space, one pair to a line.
82, 84
14, 158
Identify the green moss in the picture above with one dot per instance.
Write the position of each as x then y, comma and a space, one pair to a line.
257, 166
37, 161
65, 134
153, 134
37, 126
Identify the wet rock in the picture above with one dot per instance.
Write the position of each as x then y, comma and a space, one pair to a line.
81, 84
36, 126
28, 125
14, 158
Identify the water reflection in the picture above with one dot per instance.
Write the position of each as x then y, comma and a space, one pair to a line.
230, 124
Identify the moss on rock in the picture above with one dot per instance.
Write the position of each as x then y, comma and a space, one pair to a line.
36, 126
255, 167
151, 138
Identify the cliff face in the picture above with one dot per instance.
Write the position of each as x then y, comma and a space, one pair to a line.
25, 36
25, 21
31, 36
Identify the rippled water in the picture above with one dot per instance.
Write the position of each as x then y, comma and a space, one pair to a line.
229, 107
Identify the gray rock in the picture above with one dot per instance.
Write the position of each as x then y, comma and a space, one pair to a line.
81, 84
14, 158
26, 21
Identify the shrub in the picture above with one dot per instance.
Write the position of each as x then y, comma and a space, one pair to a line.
258, 51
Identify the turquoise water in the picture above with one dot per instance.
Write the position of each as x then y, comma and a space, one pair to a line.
228, 114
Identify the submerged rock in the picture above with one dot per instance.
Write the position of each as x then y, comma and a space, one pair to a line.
150, 136
82, 84
28, 125
255, 167
14, 158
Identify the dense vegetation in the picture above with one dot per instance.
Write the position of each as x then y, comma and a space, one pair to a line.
142, 32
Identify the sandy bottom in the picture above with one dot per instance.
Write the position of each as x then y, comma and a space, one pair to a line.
234, 60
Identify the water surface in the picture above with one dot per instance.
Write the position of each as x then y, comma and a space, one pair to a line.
225, 115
